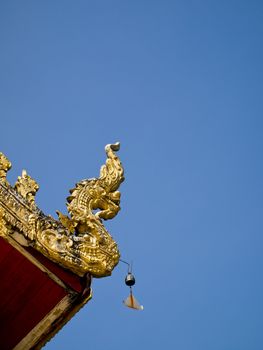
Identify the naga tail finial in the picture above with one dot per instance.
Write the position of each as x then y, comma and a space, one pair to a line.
98, 194
112, 173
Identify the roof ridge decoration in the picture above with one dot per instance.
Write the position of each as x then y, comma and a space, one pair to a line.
78, 241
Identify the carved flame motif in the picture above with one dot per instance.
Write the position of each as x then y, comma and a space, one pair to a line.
5, 165
78, 242
27, 187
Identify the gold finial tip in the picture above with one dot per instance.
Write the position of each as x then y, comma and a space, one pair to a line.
114, 146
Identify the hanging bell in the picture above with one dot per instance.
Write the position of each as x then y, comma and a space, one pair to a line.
130, 280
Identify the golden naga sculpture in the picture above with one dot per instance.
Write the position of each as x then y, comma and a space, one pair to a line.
78, 242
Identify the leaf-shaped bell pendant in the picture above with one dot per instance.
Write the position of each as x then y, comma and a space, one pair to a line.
132, 302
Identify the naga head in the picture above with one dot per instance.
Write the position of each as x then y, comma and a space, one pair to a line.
99, 254
91, 201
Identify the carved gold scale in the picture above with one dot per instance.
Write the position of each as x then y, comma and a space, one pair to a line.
78, 242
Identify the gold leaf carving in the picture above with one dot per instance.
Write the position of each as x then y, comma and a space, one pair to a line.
27, 187
5, 165
3, 227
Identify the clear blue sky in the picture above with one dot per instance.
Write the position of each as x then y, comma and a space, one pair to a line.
179, 84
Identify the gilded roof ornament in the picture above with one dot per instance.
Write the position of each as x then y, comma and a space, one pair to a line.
77, 241
27, 187
5, 165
